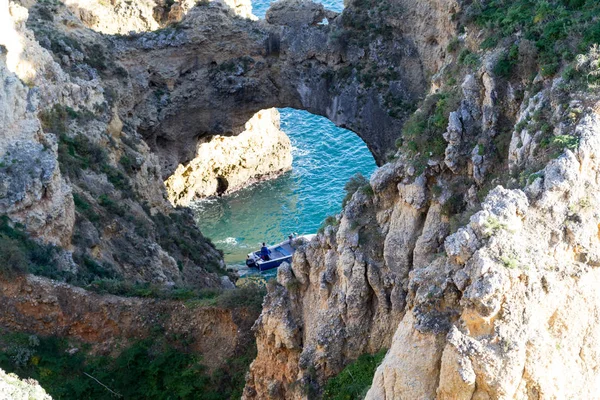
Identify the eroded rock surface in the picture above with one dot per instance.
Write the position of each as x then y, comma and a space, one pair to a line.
292, 60
35, 304
224, 164
471, 254
489, 298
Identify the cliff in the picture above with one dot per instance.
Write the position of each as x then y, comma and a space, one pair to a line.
108, 322
471, 255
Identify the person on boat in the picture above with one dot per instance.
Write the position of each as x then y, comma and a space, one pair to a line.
265, 253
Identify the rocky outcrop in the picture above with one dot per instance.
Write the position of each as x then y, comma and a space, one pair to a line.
225, 164
519, 278
11, 387
470, 255
97, 94
74, 173
32, 189
123, 17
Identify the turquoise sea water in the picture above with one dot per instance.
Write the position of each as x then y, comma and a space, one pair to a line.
325, 157
259, 7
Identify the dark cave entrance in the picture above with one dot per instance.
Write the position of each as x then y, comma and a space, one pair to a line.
222, 186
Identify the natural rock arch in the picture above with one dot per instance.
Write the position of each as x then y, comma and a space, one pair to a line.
212, 72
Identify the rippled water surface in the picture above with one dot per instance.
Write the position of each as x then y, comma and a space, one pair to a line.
325, 157
259, 7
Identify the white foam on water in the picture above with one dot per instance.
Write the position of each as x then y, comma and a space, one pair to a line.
230, 240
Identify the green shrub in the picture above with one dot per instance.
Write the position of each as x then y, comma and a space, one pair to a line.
558, 28
423, 132
468, 59
113, 206
453, 45
79, 153
127, 163
355, 183
354, 381
83, 207
147, 369
14, 261
565, 142
329, 221
55, 119
178, 234
454, 205
489, 43
21, 254
159, 367
494, 225
250, 296
507, 62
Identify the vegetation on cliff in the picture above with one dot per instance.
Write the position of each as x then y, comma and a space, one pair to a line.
558, 30
152, 368
354, 380
21, 254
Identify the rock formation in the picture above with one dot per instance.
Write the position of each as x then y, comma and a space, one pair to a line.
11, 387
98, 94
106, 322
224, 164
75, 172
218, 63
473, 261
471, 254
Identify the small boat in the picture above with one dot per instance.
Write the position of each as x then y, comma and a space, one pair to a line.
280, 253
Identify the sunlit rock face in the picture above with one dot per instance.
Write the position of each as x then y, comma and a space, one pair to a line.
11, 387
504, 307
32, 189
225, 164
477, 267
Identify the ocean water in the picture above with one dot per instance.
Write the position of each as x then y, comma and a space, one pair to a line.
325, 157
259, 7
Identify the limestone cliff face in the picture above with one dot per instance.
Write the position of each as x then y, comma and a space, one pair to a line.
225, 164
124, 17
475, 264
364, 80
75, 173
32, 189
471, 254
11, 387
